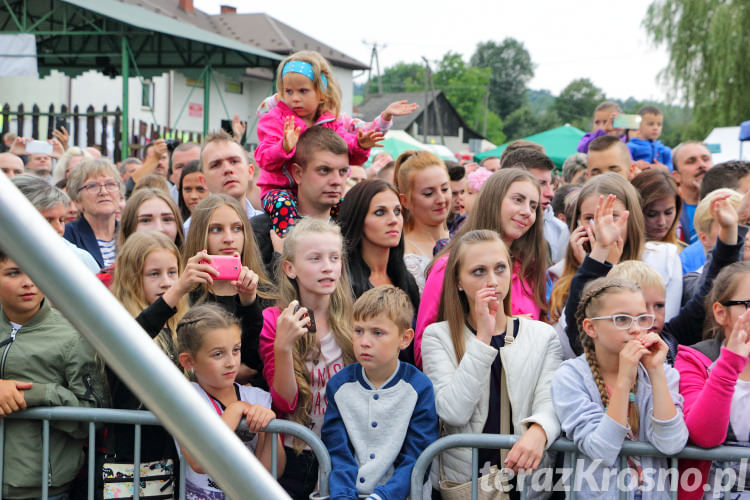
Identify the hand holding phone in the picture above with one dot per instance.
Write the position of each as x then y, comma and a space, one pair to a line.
228, 267
311, 328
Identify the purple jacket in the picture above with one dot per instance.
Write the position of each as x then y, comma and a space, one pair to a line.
583, 145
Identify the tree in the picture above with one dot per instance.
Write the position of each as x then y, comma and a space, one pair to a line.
523, 122
512, 69
401, 77
707, 64
577, 101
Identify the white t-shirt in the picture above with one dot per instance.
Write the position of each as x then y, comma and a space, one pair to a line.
201, 486
321, 370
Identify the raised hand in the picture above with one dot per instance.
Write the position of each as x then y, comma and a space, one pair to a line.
291, 134
18, 147
57, 149
723, 211
246, 285
578, 238
290, 326
630, 356
238, 128
606, 229
62, 135
656, 353
198, 271
739, 341
369, 139
398, 108
486, 304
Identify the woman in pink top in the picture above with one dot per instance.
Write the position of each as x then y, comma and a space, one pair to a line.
303, 347
715, 378
519, 223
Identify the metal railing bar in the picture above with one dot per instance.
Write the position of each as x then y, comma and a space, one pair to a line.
38, 250
137, 462
91, 461
45, 459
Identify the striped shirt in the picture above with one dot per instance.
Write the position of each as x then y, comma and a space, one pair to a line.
107, 248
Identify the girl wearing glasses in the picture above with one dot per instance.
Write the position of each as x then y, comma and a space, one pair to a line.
715, 377
620, 388
95, 186
686, 327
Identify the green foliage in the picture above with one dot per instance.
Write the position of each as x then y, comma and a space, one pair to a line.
512, 69
539, 100
577, 101
524, 122
402, 77
707, 61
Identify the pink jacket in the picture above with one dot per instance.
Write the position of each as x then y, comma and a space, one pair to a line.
274, 161
708, 399
265, 347
522, 303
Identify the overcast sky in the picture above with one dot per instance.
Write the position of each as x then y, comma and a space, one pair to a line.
602, 40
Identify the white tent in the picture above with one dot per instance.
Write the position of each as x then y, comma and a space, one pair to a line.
729, 140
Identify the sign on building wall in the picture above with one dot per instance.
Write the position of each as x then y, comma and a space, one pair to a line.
195, 109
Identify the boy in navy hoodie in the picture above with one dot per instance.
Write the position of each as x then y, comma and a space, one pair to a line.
381, 412
646, 145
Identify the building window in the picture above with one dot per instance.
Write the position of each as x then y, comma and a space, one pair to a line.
147, 94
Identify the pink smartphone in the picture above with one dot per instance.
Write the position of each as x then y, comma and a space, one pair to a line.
228, 266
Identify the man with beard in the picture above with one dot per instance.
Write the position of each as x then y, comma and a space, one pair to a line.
691, 160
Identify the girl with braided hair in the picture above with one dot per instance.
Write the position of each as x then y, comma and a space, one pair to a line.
619, 388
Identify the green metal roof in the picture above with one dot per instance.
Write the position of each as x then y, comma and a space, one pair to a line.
74, 36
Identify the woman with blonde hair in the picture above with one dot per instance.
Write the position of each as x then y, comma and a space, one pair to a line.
424, 188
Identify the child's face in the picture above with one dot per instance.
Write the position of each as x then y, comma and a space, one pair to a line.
484, 265
377, 342
726, 316
155, 215
384, 220
299, 93
607, 337
655, 296
603, 119
160, 272
19, 296
651, 126
218, 359
317, 264
226, 235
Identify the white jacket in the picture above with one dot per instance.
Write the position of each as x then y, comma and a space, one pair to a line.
462, 392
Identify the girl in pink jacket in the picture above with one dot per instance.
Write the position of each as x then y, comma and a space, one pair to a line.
715, 381
309, 96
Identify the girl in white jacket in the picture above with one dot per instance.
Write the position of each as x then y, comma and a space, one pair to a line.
476, 344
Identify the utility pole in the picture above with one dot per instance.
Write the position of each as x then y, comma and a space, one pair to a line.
374, 59
428, 81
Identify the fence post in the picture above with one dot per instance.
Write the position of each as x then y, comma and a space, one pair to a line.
35, 122
6, 118
90, 126
118, 154
77, 121
50, 121
104, 132
20, 117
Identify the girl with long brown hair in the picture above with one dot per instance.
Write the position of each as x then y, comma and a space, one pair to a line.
491, 371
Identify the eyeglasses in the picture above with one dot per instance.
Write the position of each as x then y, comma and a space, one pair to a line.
95, 188
728, 303
625, 321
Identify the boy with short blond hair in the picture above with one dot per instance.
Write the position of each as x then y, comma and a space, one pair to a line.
646, 145
381, 412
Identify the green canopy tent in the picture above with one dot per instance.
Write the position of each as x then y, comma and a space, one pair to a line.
559, 143
395, 143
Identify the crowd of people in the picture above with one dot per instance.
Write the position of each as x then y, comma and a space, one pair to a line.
388, 305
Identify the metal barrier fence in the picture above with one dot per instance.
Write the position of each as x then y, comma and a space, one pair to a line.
629, 448
140, 418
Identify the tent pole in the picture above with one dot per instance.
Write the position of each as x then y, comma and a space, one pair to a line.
125, 115
206, 98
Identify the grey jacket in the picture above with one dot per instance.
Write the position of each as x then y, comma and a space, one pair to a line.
599, 438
